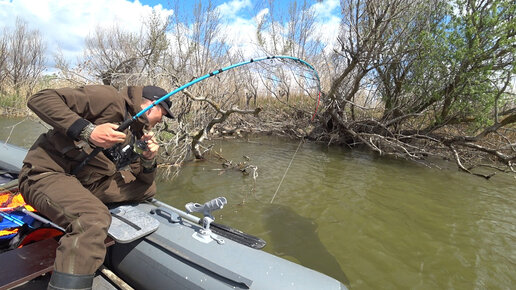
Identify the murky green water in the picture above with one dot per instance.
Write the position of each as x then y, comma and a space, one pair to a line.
377, 223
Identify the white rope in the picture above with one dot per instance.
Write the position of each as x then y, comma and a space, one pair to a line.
288, 167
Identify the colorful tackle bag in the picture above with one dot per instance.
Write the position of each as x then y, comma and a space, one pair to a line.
18, 225
13, 222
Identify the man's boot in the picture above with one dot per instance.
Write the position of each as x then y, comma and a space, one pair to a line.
61, 280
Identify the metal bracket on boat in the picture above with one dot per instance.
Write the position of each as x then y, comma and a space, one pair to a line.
205, 235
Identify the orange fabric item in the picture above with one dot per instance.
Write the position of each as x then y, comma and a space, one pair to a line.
10, 200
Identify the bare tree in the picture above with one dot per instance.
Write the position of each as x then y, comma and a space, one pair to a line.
119, 57
197, 48
3, 59
74, 76
293, 34
25, 57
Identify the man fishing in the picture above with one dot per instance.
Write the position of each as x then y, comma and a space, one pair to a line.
83, 119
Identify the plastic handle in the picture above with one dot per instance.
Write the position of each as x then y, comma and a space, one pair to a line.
208, 207
125, 125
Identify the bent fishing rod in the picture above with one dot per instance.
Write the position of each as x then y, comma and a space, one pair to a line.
129, 121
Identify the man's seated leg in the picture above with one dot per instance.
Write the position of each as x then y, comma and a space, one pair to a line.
64, 200
118, 189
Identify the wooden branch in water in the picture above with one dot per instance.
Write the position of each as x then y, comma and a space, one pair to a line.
461, 166
417, 145
200, 135
502, 157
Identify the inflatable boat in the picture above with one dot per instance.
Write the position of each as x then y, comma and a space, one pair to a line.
158, 246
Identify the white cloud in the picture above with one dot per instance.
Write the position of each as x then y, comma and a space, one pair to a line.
230, 9
65, 24
240, 34
327, 22
325, 9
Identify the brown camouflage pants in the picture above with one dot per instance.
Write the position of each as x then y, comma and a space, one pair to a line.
81, 211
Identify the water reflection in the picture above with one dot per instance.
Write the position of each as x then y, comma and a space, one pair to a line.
296, 236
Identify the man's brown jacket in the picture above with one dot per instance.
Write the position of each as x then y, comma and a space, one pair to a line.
68, 111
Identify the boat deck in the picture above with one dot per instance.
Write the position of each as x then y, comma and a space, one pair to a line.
29, 267
99, 283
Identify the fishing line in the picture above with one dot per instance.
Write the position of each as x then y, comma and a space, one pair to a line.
288, 167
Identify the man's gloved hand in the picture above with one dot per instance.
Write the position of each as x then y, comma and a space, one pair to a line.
106, 136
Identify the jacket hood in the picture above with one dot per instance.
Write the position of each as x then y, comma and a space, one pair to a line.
133, 97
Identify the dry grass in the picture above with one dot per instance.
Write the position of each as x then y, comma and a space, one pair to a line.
14, 102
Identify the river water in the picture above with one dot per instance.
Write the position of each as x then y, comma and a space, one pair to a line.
373, 223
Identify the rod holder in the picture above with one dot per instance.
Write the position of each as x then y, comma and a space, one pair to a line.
206, 209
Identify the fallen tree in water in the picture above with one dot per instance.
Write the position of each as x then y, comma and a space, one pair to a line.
491, 147
481, 152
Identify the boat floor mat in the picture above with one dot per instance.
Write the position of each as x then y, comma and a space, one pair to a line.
129, 223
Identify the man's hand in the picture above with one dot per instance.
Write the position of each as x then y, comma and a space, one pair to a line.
106, 136
152, 146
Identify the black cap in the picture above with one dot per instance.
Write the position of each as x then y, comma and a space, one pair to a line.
153, 93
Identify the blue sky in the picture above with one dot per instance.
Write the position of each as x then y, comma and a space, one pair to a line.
246, 5
65, 23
